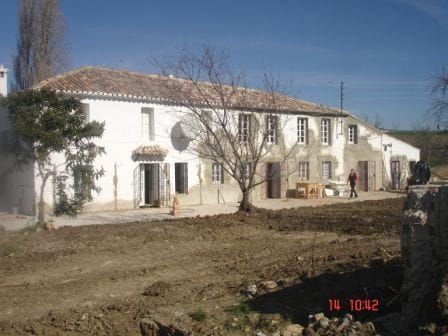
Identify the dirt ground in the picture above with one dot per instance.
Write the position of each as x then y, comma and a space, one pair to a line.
192, 273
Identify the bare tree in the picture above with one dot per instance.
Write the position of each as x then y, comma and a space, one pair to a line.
50, 52
227, 123
23, 61
41, 45
439, 106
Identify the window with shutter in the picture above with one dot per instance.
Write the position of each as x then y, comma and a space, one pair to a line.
181, 177
217, 174
271, 129
352, 134
325, 131
302, 130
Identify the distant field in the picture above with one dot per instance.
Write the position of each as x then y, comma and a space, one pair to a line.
434, 144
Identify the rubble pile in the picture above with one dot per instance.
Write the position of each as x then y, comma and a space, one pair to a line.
321, 325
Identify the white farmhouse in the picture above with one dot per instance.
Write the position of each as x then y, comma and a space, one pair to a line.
146, 163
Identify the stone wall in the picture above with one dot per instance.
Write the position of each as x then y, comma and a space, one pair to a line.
424, 245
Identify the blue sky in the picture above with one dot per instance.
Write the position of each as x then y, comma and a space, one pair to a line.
385, 51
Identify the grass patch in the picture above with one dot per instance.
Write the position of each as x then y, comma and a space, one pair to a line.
8, 250
243, 308
198, 315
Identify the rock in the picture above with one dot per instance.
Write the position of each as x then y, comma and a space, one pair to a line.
156, 289
300, 258
251, 289
149, 327
309, 332
84, 317
345, 322
260, 334
324, 323
430, 327
376, 262
349, 317
253, 318
293, 330
369, 327
319, 316
269, 285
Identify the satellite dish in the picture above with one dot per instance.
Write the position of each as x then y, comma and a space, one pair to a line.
179, 139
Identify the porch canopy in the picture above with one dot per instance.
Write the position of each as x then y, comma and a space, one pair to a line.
149, 153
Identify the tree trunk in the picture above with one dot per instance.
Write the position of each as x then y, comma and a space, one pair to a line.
41, 204
245, 205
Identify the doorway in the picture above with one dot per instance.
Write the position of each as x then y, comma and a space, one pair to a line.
151, 183
366, 171
273, 179
395, 174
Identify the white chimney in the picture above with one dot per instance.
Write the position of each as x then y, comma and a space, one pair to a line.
3, 81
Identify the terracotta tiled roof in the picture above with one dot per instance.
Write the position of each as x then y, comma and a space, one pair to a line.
120, 84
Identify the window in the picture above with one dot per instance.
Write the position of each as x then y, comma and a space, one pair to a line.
181, 177
86, 110
304, 170
271, 129
148, 123
302, 130
217, 174
352, 134
325, 131
243, 127
326, 170
82, 175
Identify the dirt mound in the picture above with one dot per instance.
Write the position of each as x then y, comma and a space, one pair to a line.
359, 218
189, 274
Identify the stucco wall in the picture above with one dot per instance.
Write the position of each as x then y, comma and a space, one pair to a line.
16, 183
123, 134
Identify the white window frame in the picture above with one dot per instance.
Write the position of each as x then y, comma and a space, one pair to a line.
302, 130
304, 171
326, 171
325, 131
271, 129
352, 134
244, 121
217, 174
148, 123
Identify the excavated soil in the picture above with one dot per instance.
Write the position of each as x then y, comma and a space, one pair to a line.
192, 273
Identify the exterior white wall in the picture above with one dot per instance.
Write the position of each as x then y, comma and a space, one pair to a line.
16, 183
123, 134
3, 81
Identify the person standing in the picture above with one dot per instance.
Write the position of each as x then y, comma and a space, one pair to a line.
352, 179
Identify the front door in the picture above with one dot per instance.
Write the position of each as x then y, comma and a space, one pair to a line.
274, 179
151, 183
395, 174
363, 175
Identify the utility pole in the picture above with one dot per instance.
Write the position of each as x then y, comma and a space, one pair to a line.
342, 97
340, 132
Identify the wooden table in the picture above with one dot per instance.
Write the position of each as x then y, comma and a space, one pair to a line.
309, 190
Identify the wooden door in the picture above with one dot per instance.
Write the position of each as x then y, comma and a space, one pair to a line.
362, 170
371, 176
395, 174
273, 180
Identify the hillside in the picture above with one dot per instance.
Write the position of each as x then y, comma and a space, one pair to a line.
433, 144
